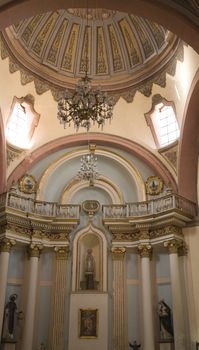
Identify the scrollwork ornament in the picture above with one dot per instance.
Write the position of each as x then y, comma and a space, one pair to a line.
34, 250
145, 250
118, 253
61, 253
6, 244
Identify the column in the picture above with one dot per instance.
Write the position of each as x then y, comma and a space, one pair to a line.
120, 340
178, 315
56, 341
145, 251
5, 247
34, 254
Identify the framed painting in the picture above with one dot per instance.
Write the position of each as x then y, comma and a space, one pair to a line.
88, 323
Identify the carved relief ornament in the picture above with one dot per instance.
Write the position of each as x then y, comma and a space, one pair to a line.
173, 245
6, 244
34, 250
145, 250
61, 253
118, 253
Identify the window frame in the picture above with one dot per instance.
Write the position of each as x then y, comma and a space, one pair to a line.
28, 103
149, 116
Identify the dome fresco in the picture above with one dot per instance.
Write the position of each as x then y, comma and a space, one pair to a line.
120, 50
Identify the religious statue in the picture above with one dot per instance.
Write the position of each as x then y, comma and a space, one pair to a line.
89, 269
165, 317
134, 346
10, 319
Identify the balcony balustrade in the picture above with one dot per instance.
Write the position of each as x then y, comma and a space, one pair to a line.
150, 208
41, 208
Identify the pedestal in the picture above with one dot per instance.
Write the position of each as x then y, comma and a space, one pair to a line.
166, 346
8, 346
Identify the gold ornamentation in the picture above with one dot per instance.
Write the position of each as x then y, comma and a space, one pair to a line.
27, 184
168, 230
118, 253
173, 245
144, 234
183, 249
34, 250
61, 253
6, 244
154, 185
91, 206
125, 236
145, 250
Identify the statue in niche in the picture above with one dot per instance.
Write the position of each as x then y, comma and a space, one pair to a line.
89, 269
11, 315
89, 273
134, 346
165, 318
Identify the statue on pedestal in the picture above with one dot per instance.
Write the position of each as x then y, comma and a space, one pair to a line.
89, 270
165, 317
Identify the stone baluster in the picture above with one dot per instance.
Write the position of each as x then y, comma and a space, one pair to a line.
5, 247
120, 340
145, 251
34, 251
57, 341
178, 314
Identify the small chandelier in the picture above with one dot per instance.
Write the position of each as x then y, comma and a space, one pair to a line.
88, 169
85, 106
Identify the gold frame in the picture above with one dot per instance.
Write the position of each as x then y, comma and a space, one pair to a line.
159, 185
27, 184
93, 315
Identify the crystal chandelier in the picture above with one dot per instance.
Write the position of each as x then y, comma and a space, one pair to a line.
88, 169
85, 106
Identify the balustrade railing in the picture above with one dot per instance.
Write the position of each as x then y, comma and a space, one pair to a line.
151, 207
128, 210
29, 205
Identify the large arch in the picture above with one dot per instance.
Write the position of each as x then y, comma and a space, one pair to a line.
100, 139
3, 165
168, 16
189, 144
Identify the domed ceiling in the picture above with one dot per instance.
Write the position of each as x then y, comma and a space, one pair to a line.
122, 51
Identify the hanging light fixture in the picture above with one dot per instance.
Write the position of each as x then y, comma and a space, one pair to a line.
86, 105
88, 169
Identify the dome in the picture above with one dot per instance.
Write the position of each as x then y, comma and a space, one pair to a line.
122, 52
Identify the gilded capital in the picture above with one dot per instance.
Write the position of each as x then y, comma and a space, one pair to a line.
61, 253
6, 244
145, 250
183, 249
118, 253
173, 245
34, 250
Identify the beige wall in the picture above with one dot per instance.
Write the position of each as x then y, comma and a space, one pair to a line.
85, 301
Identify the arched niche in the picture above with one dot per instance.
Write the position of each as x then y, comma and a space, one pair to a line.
87, 239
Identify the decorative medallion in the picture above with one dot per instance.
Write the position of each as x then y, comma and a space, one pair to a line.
27, 184
90, 206
154, 185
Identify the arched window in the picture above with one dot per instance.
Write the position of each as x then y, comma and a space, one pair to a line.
163, 122
22, 121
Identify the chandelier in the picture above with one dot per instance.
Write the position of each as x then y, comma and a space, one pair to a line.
85, 106
88, 169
